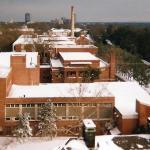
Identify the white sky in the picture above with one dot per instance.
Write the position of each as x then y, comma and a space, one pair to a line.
87, 10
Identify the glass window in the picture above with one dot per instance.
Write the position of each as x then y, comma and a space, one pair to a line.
71, 74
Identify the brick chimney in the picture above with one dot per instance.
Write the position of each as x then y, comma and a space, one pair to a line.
72, 21
112, 64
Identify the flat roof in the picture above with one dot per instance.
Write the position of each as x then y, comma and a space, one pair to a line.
31, 58
59, 90
25, 39
61, 43
75, 56
74, 46
125, 93
56, 63
45, 66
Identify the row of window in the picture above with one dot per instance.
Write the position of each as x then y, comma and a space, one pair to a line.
22, 105
16, 118
108, 105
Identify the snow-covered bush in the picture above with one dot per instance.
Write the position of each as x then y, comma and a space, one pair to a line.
47, 121
23, 130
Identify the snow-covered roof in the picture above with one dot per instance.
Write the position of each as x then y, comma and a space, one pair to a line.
45, 66
4, 72
89, 124
60, 30
125, 93
103, 64
80, 63
75, 46
56, 63
65, 42
60, 90
59, 38
66, 30
84, 56
31, 58
88, 37
25, 39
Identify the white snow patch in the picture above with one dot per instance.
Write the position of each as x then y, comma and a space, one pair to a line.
39, 143
105, 143
76, 145
36, 143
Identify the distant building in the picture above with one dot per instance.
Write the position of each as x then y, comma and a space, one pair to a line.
27, 17
25, 30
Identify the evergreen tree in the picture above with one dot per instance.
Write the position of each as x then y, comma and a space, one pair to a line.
47, 120
23, 129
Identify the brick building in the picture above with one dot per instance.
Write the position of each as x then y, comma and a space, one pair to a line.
124, 102
25, 84
58, 46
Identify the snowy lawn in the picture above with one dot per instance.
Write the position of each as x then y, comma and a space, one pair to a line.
9, 143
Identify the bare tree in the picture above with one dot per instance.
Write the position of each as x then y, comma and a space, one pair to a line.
79, 92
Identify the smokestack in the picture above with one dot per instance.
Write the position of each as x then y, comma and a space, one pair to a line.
72, 21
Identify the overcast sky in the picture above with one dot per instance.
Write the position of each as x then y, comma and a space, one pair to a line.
86, 10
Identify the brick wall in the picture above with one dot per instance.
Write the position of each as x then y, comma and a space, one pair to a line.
143, 112
21, 74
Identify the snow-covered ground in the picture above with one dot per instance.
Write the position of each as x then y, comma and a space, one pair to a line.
105, 142
9, 143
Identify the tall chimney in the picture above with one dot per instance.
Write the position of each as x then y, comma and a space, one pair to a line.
72, 21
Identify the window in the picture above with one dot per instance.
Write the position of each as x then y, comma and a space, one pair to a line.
28, 105
71, 74
7, 118
23, 105
7, 105
89, 104
106, 105
40, 105
106, 113
16, 105
12, 105
74, 104
59, 104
